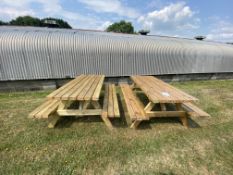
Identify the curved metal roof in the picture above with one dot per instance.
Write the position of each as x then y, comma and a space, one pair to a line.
42, 53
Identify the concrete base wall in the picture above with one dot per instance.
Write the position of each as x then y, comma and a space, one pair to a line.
24, 85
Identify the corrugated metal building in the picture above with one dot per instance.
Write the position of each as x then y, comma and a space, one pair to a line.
28, 53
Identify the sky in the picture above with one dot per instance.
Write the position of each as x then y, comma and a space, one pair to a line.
187, 18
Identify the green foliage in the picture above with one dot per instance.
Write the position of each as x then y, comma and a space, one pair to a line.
60, 23
32, 21
2, 23
121, 27
26, 21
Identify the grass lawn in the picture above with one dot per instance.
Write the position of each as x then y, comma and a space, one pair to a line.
86, 146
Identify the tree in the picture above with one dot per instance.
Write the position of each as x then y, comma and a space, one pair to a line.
32, 21
26, 21
58, 23
121, 27
2, 23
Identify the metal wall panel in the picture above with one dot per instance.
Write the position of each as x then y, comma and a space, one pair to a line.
42, 53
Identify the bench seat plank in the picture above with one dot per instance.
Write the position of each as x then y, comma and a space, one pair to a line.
111, 107
135, 109
193, 110
45, 109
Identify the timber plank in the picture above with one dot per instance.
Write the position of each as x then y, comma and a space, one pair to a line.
175, 94
89, 94
54, 93
52, 109
67, 89
74, 95
98, 89
135, 110
115, 102
69, 92
47, 109
131, 113
105, 104
87, 112
155, 97
159, 91
86, 88
110, 102
193, 110
39, 108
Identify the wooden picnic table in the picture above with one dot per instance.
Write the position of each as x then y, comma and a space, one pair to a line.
84, 90
159, 92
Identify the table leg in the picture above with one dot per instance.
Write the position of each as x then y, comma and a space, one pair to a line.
104, 115
64, 104
183, 118
86, 104
53, 119
106, 120
149, 106
132, 86
135, 124
163, 107
81, 103
96, 104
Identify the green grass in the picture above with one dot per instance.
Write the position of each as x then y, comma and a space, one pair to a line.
86, 146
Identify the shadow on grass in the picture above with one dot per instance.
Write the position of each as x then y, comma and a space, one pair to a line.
66, 122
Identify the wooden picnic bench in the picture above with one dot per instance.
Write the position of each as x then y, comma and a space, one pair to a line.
158, 92
84, 90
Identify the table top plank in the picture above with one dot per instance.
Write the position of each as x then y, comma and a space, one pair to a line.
89, 94
160, 85
151, 94
159, 91
65, 91
83, 87
171, 93
96, 94
67, 95
86, 88
80, 88
176, 92
70, 83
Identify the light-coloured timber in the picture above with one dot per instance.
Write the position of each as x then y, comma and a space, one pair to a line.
193, 110
74, 112
160, 92
70, 83
52, 120
98, 89
134, 107
45, 109
111, 106
70, 91
115, 101
152, 114
83, 87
